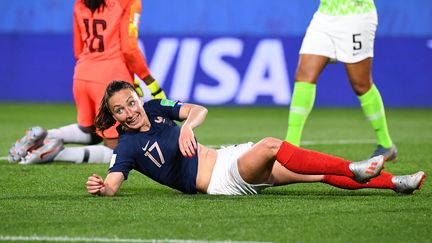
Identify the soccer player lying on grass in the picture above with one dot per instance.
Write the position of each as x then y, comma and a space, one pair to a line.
153, 144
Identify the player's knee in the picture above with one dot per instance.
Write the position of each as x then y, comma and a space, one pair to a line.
308, 72
305, 75
360, 88
271, 144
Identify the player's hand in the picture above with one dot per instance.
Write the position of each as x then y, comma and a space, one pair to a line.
94, 184
137, 87
187, 142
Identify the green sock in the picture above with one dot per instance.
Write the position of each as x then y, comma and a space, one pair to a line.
373, 108
302, 101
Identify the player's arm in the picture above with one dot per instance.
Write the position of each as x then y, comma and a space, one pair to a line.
193, 116
78, 43
97, 186
129, 40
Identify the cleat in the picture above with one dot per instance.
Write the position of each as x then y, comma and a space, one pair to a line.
388, 153
45, 153
408, 183
34, 138
367, 169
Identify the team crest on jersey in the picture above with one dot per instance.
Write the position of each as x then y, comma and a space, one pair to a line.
159, 119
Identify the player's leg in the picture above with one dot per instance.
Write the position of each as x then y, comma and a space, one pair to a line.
304, 161
76, 134
372, 105
360, 76
100, 154
84, 131
303, 97
316, 50
256, 165
88, 96
354, 43
53, 150
282, 176
93, 154
405, 184
39, 141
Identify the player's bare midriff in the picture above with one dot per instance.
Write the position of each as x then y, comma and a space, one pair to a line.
206, 162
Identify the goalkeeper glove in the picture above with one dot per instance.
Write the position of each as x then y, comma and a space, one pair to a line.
156, 91
137, 87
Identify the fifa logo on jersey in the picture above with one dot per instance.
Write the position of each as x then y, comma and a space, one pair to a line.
148, 153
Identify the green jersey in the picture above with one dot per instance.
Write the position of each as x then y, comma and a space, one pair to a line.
346, 7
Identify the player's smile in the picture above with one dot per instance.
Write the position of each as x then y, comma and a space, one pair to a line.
131, 122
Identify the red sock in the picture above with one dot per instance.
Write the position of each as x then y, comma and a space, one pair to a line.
384, 180
305, 161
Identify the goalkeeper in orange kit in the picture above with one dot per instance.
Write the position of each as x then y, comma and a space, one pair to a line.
106, 49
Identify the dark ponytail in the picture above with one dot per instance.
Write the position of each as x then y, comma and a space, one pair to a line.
104, 118
94, 5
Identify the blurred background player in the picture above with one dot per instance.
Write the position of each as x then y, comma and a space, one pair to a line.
341, 30
106, 49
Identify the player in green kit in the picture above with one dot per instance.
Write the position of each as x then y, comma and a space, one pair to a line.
341, 30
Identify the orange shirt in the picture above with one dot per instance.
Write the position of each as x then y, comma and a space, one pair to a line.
106, 42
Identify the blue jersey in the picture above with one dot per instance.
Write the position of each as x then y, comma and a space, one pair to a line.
155, 153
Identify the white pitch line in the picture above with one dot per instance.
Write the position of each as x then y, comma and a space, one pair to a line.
4, 158
342, 141
100, 239
319, 142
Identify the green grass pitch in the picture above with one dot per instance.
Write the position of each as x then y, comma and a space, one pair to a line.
50, 200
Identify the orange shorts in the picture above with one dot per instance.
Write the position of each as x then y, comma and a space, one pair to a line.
88, 97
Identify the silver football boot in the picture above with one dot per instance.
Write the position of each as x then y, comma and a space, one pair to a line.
45, 153
367, 169
408, 183
388, 153
32, 139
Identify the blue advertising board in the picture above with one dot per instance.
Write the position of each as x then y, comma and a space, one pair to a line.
220, 70
222, 52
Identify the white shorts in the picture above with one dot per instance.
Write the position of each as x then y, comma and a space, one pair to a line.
349, 38
226, 179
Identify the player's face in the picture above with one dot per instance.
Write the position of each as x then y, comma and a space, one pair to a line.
127, 109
